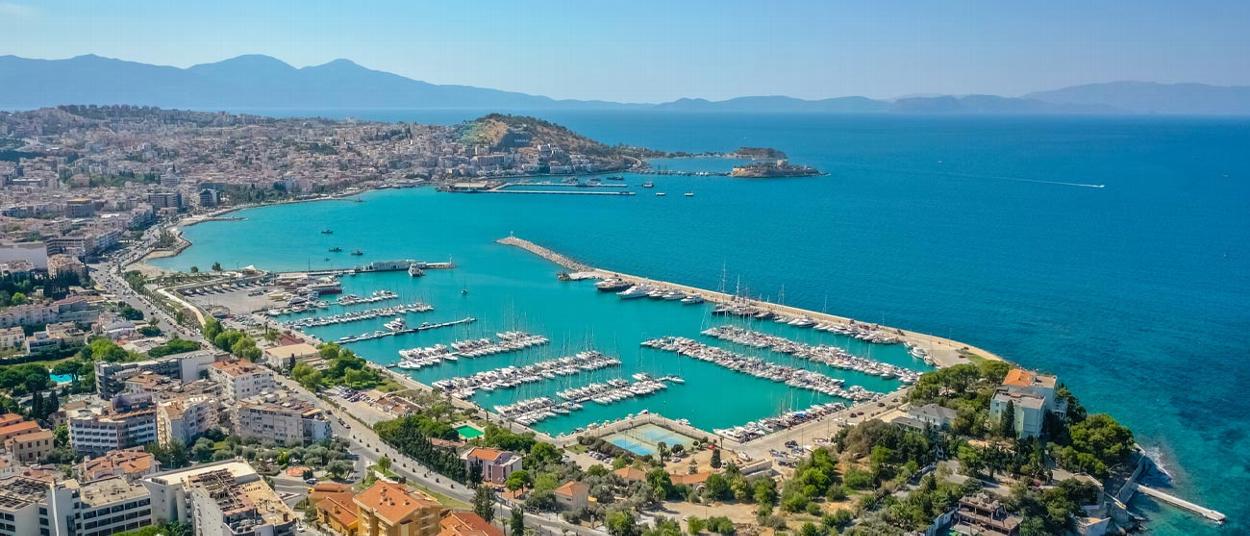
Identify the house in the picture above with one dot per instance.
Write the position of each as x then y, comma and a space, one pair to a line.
496, 464
241, 379
12, 338
1029, 396
390, 509
927, 416
983, 515
573, 495
466, 524
631, 474
284, 357
30, 448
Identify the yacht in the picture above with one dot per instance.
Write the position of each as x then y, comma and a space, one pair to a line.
692, 299
357, 252
648, 184
396, 325
327, 231
336, 249
689, 194
633, 293
612, 285
415, 271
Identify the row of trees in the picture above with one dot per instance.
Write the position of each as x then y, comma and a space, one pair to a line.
406, 436
343, 367
236, 342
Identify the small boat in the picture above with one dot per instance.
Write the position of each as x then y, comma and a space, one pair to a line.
660, 194
563, 276
689, 194
692, 299
648, 184
415, 271
612, 285
336, 249
327, 231
616, 178
396, 325
357, 252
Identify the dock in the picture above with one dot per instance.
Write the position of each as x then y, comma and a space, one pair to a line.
1209, 514
423, 327
557, 192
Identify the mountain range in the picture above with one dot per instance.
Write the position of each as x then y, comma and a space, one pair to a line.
259, 82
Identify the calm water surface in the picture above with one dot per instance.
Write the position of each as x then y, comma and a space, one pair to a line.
980, 229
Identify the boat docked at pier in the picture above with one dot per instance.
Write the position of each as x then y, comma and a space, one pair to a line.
828, 355
613, 285
376, 296
507, 341
415, 271
357, 316
513, 376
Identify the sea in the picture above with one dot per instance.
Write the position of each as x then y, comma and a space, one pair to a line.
1111, 251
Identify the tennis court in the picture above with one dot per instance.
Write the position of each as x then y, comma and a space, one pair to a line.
644, 439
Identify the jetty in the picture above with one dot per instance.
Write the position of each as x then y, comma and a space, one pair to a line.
563, 261
1209, 514
753, 366
375, 297
507, 341
828, 355
511, 376
527, 412
425, 326
357, 316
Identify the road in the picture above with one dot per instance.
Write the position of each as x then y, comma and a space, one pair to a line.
365, 442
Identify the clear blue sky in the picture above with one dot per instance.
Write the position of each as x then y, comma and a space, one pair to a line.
645, 51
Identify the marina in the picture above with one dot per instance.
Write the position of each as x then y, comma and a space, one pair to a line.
358, 316
507, 341
534, 410
375, 297
762, 427
793, 377
425, 326
511, 376
829, 355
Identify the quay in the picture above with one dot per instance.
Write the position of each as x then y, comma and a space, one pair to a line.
357, 316
556, 192
944, 352
752, 366
425, 326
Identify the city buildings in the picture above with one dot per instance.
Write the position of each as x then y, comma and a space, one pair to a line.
186, 418
390, 509
241, 379
128, 421
280, 418
466, 524
39, 504
132, 463
221, 499
186, 367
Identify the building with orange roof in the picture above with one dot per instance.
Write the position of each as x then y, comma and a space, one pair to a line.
390, 509
461, 523
496, 464
10, 418
131, 463
17, 429
572, 495
336, 507
1029, 396
631, 474
695, 479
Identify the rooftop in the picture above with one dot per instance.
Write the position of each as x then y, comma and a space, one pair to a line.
111, 490
467, 524
1018, 377
392, 502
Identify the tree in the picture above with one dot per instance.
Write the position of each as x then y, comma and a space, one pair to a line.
384, 463
216, 267
516, 525
518, 479
484, 503
716, 458
621, 523
971, 459
339, 468
195, 269
716, 487
1007, 421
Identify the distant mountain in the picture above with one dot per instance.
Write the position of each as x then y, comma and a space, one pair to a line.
252, 81
1155, 98
260, 82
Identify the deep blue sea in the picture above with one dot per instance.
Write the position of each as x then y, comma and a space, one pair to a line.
984, 230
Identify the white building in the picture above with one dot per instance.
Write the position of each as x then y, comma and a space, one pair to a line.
1030, 396
280, 418
126, 423
220, 499
184, 419
241, 379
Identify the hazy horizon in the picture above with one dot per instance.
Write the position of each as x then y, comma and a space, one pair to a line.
655, 52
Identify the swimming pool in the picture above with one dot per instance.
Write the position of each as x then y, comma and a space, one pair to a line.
468, 431
61, 378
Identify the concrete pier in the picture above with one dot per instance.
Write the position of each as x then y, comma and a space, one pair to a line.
1209, 514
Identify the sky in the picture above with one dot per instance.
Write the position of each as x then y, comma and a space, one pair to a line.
645, 51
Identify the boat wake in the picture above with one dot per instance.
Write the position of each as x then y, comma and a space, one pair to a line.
979, 176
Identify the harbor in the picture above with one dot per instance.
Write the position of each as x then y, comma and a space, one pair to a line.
359, 316
425, 326
828, 355
510, 376
791, 376
507, 341
534, 410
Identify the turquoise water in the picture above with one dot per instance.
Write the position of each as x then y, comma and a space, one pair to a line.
61, 378
468, 432
1135, 294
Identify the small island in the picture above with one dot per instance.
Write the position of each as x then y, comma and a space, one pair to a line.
772, 169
